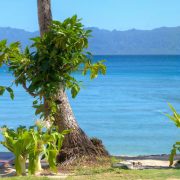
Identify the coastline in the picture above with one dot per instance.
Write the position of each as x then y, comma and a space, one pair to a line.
164, 157
160, 161
147, 161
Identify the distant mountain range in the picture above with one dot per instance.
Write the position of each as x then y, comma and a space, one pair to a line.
165, 40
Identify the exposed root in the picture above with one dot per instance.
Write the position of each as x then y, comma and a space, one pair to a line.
99, 146
85, 161
67, 156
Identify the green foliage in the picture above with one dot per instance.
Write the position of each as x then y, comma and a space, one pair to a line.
8, 89
54, 144
55, 57
2, 90
176, 119
18, 142
176, 147
43, 69
3, 53
32, 144
114, 160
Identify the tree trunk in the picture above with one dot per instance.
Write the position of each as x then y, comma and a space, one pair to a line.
44, 15
76, 144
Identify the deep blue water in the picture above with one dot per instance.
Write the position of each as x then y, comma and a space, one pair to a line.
124, 108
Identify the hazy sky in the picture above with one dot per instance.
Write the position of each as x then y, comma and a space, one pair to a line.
106, 14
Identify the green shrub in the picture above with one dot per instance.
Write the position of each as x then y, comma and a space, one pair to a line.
31, 144
176, 119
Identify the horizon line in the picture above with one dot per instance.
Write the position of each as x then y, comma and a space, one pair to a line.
110, 30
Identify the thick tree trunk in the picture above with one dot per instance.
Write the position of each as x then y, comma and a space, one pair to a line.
77, 143
44, 15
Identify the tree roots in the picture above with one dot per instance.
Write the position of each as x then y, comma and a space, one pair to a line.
68, 155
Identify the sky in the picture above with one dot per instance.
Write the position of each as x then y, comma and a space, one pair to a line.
104, 14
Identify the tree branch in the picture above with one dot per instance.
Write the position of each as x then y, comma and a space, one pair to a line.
26, 88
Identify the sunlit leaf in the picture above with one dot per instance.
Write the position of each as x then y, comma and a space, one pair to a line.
11, 93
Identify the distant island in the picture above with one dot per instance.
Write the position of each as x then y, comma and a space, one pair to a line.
164, 40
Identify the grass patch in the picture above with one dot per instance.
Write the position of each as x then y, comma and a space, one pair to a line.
101, 169
25, 178
115, 174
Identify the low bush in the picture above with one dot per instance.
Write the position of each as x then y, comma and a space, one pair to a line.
176, 147
33, 143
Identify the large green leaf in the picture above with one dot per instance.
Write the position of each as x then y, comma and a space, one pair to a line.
52, 154
2, 90
11, 93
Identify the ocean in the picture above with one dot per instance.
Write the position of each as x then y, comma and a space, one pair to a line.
125, 108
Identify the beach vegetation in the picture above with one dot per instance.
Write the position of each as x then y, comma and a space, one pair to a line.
4, 88
50, 62
102, 168
46, 70
175, 117
33, 143
77, 144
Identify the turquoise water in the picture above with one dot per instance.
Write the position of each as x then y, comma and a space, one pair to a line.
124, 108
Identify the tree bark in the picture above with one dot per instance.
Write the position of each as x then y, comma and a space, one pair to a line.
44, 15
77, 143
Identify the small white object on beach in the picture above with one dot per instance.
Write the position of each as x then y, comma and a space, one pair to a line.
124, 165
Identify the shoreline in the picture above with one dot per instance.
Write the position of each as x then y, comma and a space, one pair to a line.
160, 161
7, 154
146, 157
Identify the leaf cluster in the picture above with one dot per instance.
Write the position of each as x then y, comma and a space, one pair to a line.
49, 64
33, 143
176, 119
4, 52
8, 89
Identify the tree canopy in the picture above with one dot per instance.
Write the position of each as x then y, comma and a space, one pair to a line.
50, 62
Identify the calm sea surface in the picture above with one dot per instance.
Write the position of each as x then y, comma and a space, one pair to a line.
124, 108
